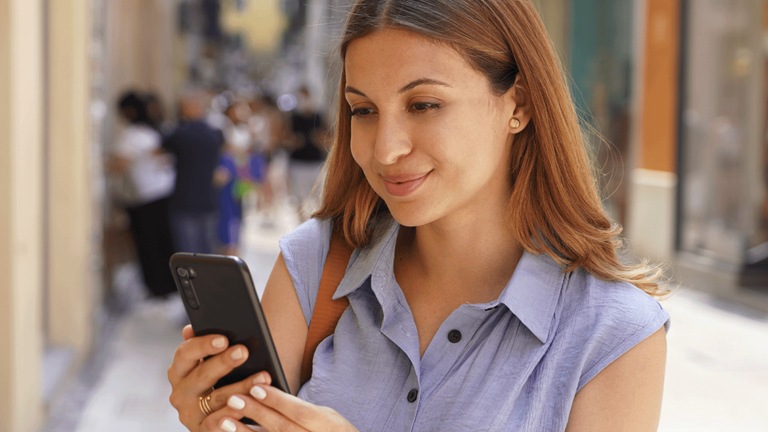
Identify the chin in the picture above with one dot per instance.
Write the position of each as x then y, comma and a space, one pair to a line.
411, 214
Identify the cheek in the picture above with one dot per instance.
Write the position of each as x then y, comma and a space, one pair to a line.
483, 146
357, 150
362, 153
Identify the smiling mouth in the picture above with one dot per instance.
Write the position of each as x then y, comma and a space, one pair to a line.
401, 186
404, 178
403, 181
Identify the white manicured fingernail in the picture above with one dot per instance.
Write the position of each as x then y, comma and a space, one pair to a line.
228, 426
235, 402
237, 354
258, 392
219, 342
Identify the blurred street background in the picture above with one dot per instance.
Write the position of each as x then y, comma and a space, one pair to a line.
94, 92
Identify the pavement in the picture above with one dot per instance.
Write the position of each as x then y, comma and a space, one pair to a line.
717, 364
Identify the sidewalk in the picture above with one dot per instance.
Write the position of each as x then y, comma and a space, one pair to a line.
717, 368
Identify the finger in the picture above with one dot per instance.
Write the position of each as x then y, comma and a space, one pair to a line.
230, 417
186, 398
225, 420
187, 332
189, 353
187, 391
209, 372
190, 406
267, 417
231, 424
221, 395
288, 406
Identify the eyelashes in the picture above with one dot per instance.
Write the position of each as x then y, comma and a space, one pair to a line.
361, 112
423, 107
415, 108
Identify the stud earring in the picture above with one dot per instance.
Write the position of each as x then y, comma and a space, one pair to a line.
514, 123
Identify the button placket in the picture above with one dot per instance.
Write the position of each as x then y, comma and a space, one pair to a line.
443, 353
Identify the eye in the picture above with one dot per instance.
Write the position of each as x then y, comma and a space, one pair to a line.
361, 113
423, 107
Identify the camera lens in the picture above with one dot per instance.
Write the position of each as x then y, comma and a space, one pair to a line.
189, 294
181, 271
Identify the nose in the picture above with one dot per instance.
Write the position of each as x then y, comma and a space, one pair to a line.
392, 140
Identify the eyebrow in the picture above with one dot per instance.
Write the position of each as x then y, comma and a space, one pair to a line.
410, 86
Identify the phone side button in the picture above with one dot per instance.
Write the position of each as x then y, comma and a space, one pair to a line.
192, 302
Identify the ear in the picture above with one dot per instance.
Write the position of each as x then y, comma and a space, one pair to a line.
518, 105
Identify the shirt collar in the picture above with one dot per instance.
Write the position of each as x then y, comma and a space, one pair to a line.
376, 257
531, 294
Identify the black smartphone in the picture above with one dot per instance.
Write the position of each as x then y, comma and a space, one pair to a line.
220, 298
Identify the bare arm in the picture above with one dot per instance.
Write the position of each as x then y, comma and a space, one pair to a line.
626, 395
286, 321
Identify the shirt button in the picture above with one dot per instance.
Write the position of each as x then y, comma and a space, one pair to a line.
454, 336
412, 395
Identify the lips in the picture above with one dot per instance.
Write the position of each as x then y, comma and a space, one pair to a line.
402, 185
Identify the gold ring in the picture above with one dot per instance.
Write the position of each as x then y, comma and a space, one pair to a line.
204, 404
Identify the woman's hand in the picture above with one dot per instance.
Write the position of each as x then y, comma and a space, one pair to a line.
191, 378
277, 411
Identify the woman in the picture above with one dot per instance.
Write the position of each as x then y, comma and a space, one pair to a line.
485, 290
146, 183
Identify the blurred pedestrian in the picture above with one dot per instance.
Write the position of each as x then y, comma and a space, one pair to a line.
310, 147
156, 113
238, 175
271, 132
196, 147
146, 183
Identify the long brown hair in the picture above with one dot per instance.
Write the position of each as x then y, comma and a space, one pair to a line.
554, 207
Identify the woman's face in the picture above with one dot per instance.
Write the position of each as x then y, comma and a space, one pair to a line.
430, 136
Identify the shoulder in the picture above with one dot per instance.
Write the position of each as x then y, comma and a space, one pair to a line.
605, 320
215, 132
304, 251
600, 301
307, 236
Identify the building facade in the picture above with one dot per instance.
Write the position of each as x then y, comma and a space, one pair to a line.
722, 225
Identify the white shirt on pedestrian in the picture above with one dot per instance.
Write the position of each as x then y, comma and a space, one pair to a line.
150, 172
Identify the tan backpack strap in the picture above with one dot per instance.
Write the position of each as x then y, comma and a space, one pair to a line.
327, 311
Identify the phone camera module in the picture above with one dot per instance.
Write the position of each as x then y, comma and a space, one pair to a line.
189, 293
181, 271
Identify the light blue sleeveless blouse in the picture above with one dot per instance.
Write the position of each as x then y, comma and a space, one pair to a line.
514, 364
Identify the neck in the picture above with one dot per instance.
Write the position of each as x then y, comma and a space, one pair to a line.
475, 258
